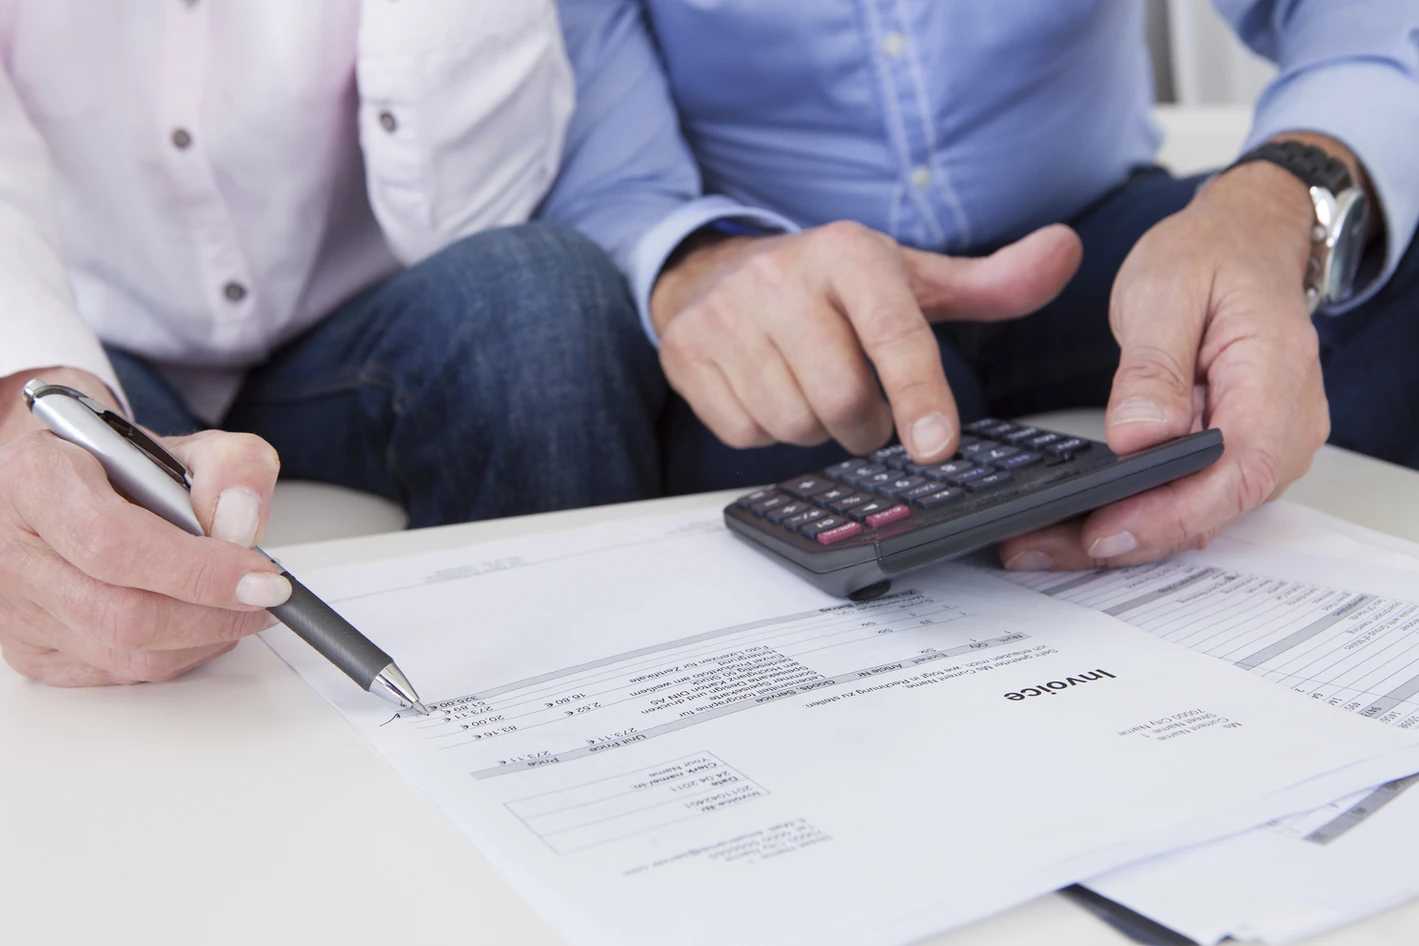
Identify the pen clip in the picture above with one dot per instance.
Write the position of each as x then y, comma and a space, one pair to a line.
154, 451
121, 425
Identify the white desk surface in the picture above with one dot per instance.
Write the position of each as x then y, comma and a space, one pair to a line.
236, 806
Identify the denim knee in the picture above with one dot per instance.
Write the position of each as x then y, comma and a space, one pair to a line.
539, 293
525, 361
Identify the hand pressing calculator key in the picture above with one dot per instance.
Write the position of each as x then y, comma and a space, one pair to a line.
852, 527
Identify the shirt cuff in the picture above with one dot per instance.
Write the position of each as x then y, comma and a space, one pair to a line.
1342, 100
32, 351
654, 248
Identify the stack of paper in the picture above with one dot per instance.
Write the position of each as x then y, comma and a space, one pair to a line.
658, 735
1343, 632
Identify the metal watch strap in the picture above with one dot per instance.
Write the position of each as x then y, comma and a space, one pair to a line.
1309, 163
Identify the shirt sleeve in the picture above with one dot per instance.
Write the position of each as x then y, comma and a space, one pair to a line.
40, 325
629, 180
1351, 71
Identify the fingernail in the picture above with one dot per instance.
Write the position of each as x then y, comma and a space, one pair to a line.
237, 517
1031, 561
930, 435
1137, 410
263, 590
1120, 543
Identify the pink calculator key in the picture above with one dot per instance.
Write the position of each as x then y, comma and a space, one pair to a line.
845, 531
887, 515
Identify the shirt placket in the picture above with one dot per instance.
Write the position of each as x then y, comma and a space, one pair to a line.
922, 202
224, 271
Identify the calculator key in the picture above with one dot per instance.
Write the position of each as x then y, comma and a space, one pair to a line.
941, 472
837, 533
822, 523
757, 496
877, 481
894, 456
787, 511
916, 492
860, 513
969, 451
830, 496
996, 454
986, 426
806, 486
944, 497
981, 484
856, 477
840, 470
1021, 435
798, 522
848, 502
764, 506
1066, 449
1042, 441
887, 515
969, 476
900, 485
1018, 462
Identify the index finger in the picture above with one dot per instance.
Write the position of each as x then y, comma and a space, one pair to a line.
870, 286
65, 498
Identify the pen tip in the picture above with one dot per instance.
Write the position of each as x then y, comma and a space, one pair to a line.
419, 705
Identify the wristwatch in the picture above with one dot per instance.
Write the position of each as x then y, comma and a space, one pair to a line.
1342, 216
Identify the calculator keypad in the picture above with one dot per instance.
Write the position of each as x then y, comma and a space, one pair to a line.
886, 490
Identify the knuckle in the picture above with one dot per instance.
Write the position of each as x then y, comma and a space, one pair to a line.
105, 548
1258, 477
123, 620
1155, 365
151, 666
198, 579
795, 424
846, 404
770, 268
845, 236
740, 434
256, 450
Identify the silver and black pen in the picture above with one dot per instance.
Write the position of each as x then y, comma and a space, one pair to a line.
142, 472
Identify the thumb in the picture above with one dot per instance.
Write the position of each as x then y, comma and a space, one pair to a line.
233, 477
1013, 281
1154, 398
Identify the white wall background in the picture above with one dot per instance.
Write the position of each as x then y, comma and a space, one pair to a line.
1198, 59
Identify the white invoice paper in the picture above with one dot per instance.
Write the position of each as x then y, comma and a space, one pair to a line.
1344, 633
657, 735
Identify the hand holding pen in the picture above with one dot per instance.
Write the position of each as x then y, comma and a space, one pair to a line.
95, 590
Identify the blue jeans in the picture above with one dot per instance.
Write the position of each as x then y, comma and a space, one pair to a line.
506, 375
1064, 356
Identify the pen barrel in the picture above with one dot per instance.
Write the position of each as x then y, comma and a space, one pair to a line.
335, 638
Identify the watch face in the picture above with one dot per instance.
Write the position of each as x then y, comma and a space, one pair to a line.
1347, 245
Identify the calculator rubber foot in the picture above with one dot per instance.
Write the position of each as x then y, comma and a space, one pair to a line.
871, 591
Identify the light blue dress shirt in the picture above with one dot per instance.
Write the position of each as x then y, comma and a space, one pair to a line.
947, 124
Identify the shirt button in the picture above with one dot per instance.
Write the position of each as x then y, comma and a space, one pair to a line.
387, 121
234, 291
181, 140
921, 177
893, 44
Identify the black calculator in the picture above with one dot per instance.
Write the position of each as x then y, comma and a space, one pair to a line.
852, 527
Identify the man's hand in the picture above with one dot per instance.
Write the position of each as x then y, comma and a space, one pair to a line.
1211, 317
95, 590
777, 338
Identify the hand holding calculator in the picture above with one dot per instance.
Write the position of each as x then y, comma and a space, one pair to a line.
852, 527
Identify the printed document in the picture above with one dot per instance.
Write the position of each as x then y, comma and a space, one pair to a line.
1344, 633
659, 735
